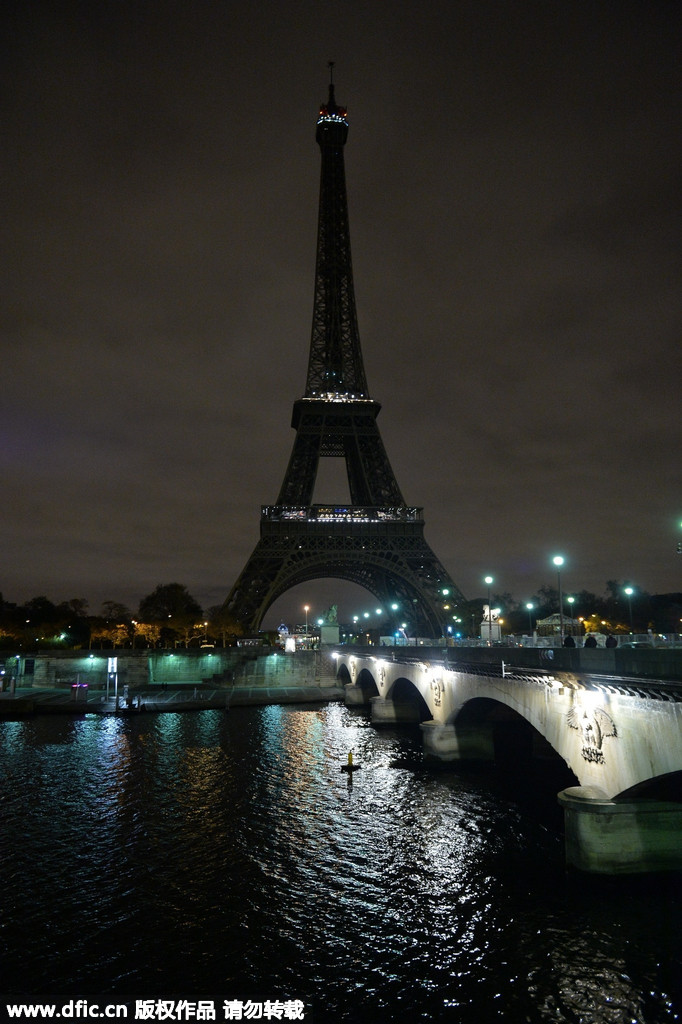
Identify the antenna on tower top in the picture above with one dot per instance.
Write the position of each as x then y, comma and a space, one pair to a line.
330, 65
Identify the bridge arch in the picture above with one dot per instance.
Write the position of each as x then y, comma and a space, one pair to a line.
367, 684
660, 787
343, 674
408, 699
515, 740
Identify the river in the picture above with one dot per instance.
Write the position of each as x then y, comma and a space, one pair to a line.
225, 854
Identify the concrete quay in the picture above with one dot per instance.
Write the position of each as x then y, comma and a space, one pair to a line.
30, 701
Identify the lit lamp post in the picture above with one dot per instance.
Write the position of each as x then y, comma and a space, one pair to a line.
629, 592
306, 609
571, 601
529, 608
559, 561
488, 580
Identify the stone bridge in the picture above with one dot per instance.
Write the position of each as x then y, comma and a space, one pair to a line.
621, 738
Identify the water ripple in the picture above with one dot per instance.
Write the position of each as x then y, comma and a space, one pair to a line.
228, 854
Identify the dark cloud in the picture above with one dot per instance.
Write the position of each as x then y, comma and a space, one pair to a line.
514, 187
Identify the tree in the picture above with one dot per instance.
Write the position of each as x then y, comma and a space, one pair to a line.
173, 610
150, 632
169, 601
77, 607
189, 630
39, 610
110, 635
114, 610
223, 623
546, 601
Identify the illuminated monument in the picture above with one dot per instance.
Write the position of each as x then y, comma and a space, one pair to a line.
375, 539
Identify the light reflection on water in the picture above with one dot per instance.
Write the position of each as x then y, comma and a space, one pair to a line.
227, 854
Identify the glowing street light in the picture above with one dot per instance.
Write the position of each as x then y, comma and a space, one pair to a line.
488, 580
559, 561
529, 608
306, 609
571, 601
629, 591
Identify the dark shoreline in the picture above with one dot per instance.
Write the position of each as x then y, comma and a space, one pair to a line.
25, 702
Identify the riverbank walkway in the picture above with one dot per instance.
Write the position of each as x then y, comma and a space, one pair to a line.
80, 701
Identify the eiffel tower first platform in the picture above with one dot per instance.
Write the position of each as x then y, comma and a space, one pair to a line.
375, 540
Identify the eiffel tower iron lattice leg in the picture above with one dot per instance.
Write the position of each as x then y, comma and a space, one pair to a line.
375, 539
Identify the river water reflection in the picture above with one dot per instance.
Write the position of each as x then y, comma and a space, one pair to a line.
225, 854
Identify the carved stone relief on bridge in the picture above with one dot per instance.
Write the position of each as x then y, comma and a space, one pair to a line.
437, 689
595, 726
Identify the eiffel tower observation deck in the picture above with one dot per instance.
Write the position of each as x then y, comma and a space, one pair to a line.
374, 539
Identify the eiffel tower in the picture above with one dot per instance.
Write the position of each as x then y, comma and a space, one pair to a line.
375, 540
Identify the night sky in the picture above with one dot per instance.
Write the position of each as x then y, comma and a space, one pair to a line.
514, 185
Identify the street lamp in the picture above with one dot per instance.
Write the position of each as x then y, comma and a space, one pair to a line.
488, 580
571, 601
629, 592
559, 561
306, 609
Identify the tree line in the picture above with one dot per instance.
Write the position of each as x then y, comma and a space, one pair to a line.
614, 611
169, 616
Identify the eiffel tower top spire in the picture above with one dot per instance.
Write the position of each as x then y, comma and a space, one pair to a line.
335, 366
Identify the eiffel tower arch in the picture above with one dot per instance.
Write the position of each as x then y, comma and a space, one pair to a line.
375, 539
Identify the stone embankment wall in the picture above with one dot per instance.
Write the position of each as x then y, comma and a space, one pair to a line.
144, 669
224, 667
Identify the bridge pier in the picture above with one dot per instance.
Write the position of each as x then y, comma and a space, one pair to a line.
458, 743
390, 712
354, 695
612, 837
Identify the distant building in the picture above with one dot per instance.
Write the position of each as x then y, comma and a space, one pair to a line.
551, 626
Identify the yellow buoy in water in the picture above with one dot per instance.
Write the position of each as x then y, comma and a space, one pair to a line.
350, 767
